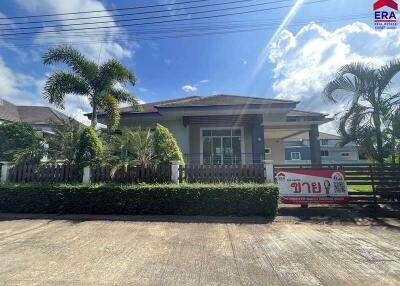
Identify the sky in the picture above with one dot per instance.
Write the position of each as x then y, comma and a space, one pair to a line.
290, 51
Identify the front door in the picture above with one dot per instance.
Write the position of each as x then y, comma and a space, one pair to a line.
222, 146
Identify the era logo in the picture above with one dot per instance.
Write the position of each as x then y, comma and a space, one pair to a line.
385, 17
382, 3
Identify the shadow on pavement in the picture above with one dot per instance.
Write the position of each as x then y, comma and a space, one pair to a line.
78, 218
357, 215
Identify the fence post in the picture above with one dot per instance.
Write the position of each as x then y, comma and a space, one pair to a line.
5, 167
175, 171
86, 175
269, 170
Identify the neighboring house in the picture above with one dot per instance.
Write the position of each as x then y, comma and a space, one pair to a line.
297, 150
228, 129
39, 117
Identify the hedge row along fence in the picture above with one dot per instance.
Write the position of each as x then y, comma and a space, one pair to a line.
162, 199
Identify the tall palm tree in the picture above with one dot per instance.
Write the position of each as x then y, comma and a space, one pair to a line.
101, 83
368, 92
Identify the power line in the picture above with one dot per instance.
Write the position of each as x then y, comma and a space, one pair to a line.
170, 36
130, 14
149, 18
101, 11
165, 21
191, 28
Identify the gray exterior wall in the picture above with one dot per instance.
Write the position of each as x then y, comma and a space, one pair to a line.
304, 152
180, 132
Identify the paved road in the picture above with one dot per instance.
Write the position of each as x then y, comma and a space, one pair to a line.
56, 251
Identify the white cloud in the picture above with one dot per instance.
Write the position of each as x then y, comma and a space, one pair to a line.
189, 88
307, 61
194, 87
105, 43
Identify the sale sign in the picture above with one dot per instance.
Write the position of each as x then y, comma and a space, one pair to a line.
302, 186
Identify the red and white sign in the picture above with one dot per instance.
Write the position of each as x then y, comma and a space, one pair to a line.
302, 186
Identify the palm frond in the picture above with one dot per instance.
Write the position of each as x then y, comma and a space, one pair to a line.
340, 83
386, 74
111, 109
122, 95
73, 58
61, 83
112, 72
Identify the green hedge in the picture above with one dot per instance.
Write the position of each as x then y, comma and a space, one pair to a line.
161, 199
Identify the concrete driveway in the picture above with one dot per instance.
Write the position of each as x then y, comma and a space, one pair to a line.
88, 250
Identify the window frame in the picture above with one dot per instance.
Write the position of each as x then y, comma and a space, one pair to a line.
296, 152
242, 145
327, 152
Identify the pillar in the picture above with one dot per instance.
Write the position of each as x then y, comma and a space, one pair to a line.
175, 171
268, 170
258, 142
86, 175
5, 167
315, 149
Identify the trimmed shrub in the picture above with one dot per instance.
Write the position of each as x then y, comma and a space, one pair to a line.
161, 199
90, 148
165, 147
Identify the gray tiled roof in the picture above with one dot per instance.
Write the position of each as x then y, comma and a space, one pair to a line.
220, 99
8, 111
29, 114
223, 99
149, 107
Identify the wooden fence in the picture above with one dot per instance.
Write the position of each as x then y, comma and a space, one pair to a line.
384, 180
222, 173
132, 174
45, 173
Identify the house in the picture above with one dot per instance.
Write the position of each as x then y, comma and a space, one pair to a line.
39, 117
229, 129
297, 150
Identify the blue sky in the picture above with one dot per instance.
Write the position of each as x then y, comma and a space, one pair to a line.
297, 64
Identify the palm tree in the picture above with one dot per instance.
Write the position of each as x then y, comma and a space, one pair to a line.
63, 144
101, 83
368, 92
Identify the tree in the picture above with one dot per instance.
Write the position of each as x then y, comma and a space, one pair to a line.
367, 90
133, 146
20, 143
63, 144
90, 148
165, 147
100, 83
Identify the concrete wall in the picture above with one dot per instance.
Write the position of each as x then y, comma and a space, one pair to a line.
277, 153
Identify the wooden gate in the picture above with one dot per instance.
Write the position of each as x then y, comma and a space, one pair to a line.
382, 179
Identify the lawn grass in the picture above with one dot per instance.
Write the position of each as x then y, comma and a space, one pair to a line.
363, 188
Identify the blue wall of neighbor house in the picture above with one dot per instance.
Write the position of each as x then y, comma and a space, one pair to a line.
304, 152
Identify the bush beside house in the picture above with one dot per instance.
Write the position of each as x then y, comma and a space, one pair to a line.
161, 199
166, 148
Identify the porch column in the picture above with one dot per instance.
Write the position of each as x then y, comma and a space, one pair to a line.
258, 143
315, 149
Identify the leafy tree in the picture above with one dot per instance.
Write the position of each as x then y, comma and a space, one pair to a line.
20, 143
165, 147
90, 148
84, 77
63, 144
367, 90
